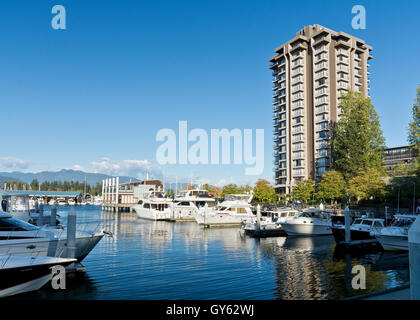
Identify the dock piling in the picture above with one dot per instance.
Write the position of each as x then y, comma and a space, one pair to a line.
347, 223
71, 234
40, 221
414, 258
258, 217
206, 206
53, 216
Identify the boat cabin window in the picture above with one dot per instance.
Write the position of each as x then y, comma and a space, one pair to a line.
357, 221
184, 203
200, 204
12, 224
146, 206
313, 215
291, 214
241, 210
284, 214
367, 222
159, 206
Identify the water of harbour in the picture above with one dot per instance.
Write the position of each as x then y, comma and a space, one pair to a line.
164, 260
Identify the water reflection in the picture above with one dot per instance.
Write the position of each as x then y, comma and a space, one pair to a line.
163, 260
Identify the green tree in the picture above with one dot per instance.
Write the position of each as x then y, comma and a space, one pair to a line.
245, 189
368, 183
414, 130
35, 184
357, 139
264, 192
170, 193
331, 187
213, 190
230, 189
304, 190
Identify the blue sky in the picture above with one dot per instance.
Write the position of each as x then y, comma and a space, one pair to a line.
94, 96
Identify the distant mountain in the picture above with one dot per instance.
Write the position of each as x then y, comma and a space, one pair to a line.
4, 179
62, 175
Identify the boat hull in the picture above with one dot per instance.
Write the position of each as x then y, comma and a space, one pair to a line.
213, 220
393, 242
183, 214
296, 229
28, 286
26, 278
152, 215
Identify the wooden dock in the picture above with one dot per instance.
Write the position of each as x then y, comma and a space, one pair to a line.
120, 207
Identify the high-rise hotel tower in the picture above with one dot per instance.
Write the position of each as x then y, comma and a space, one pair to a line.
310, 72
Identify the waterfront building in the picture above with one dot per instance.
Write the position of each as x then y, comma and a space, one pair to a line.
394, 156
310, 73
122, 196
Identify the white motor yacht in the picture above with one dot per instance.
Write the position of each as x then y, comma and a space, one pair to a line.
154, 206
23, 273
395, 236
233, 211
310, 222
189, 203
19, 237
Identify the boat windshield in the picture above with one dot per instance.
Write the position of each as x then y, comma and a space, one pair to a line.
319, 215
402, 222
357, 221
12, 224
201, 193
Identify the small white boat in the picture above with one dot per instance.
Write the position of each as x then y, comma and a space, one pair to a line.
52, 202
310, 222
23, 273
97, 201
234, 211
61, 202
395, 236
154, 206
189, 203
71, 202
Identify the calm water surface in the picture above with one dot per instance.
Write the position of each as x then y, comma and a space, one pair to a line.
163, 260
